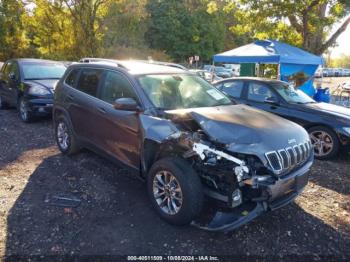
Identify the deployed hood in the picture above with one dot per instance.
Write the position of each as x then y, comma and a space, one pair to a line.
244, 129
48, 83
330, 109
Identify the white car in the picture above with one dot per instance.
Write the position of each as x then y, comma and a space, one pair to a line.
346, 85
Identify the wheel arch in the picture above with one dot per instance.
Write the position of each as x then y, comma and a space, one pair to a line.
312, 125
154, 150
60, 111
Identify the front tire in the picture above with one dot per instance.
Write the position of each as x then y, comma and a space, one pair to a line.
24, 114
65, 138
3, 104
325, 141
175, 190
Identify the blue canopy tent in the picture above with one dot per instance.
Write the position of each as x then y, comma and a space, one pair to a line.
291, 60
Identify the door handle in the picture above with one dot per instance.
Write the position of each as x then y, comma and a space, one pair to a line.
102, 110
71, 97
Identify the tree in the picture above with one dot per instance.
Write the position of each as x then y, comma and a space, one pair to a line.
305, 23
184, 28
50, 30
341, 62
125, 23
67, 29
13, 41
87, 19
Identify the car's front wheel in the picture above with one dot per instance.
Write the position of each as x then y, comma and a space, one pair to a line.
24, 113
325, 142
65, 138
175, 190
3, 104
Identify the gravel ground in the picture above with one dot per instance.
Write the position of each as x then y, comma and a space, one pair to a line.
115, 216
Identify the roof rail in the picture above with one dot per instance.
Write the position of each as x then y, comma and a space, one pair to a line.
163, 63
94, 59
101, 60
120, 64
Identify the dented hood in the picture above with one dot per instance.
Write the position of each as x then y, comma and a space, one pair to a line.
244, 129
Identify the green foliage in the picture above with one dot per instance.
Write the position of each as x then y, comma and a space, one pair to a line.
185, 28
341, 62
164, 29
13, 41
304, 23
126, 24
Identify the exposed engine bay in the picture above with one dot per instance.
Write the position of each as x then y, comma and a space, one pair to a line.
243, 172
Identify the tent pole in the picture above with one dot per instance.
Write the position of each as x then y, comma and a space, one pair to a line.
212, 71
279, 72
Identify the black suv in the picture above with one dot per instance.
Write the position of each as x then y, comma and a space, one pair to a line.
28, 84
327, 124
185, 138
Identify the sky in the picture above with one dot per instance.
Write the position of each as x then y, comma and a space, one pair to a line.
343, 44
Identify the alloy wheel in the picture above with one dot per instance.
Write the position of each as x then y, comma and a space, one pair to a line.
322, 142
63, 135
23, 110
167, 192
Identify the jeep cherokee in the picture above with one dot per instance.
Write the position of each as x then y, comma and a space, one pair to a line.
198, 152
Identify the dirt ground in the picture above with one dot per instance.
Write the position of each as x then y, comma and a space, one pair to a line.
115, 217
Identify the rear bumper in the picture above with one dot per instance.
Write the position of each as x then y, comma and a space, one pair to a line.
281, 193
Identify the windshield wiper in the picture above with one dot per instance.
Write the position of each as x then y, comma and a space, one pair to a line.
304, 103
46, 78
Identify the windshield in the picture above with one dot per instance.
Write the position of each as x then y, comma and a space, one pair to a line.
181, 91
292, 95
37, 71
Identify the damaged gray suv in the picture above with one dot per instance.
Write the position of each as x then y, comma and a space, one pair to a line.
206, 160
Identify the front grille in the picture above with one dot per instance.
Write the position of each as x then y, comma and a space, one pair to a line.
288, 158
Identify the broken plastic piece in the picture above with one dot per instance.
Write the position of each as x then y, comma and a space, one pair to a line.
201, 148
63, 201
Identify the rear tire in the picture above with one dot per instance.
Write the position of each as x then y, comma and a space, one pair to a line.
175, 190
65, 138
24, 114
325, 141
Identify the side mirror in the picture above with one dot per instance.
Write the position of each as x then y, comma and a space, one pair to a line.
127, 104
12, 76
272, 100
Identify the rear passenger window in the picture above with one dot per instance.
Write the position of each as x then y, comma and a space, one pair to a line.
71, 79
233, 89
89, 81
116, 86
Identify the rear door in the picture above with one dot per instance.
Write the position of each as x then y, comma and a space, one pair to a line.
119, 130
81, 101
233, 89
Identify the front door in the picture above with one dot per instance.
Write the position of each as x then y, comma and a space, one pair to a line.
119, 132
258, 94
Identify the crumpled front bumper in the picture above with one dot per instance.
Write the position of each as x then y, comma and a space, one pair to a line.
282, 192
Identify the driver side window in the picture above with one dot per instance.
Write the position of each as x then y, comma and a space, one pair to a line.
259, 92
116, 86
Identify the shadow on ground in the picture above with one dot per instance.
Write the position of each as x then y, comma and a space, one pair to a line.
115, 218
